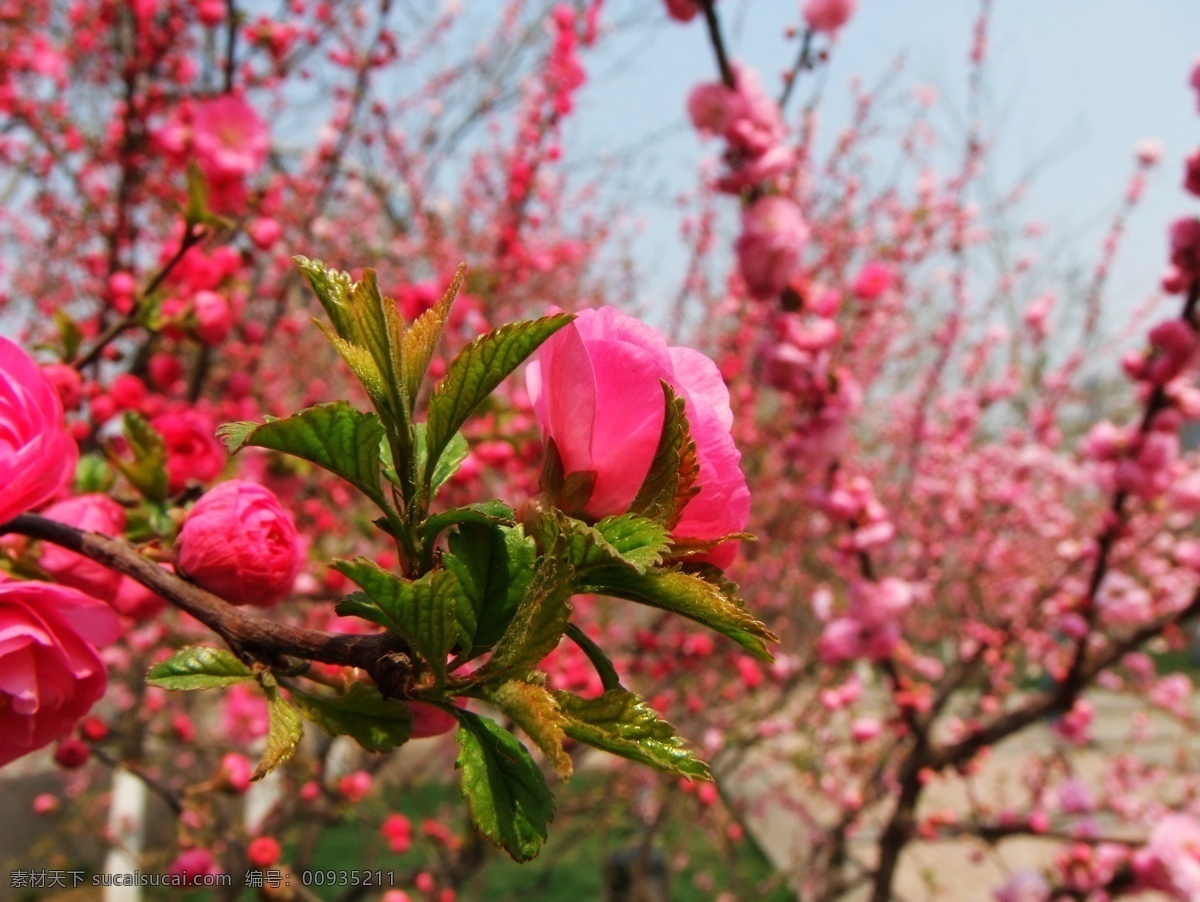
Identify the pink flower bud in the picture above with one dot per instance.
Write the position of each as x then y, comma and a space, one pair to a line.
193, 451
214, 317
238, 542
872, 281
193, 865
596, 389
828, 15
37, 455
263, 851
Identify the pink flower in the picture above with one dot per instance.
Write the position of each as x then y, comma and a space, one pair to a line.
397, 830
682, 10
1175, 845
1195, 81
50, 671
713, 108
214, 317
93, 513
827, 15
769, 248
192, 865
596, 392
193, 451
1191, 175
355, 786
229, 138
872, 281
263, 851
429, 720
1185, 246
37, 455
1149, 151
238, 542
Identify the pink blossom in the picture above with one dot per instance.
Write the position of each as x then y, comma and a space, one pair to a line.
67, 382
92, 513
135, 601
238, 542
192, 865
244, 713
429, 720
1024, 886
1175, 845
713, 108
1149, 151
37, 455
235, 772
1195, 81
682, 10
214, 317
872, 281
1185, 246
770, 246
355, 786
50, 671
263, 851
229, 138
1191, 173
193, 451
828, 15
397, 830
596, 391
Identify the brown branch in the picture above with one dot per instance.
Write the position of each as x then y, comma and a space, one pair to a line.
383, 655
718, 44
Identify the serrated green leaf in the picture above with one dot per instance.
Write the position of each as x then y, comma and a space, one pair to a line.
538, 623
199, 667
534, 709
361, 363
709, 603
506, 794
671, 481
489, 513
621, 723
422, 338
477, 370
494, 565
640, 542
285, 729
334, 436
332, 288
624, 541
376, 723
684, 549
424, 611
147, 472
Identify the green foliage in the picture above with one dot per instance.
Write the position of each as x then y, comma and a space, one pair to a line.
535, 710
494, 565
621, 723
671, 481
476, 372
710, 603
199, 667
538, 623
505, 792
147, 472
376, 723
335, 437
285, 729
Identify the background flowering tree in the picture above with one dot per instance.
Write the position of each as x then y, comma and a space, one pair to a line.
951, 550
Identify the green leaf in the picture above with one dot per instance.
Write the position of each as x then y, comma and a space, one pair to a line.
621, 723
93, 474
709, 603
477, 370
424, 612
197, 212
447, 464
199, 667
539, 621
332, 288
534, 709
284, 731
147, 472
684, 549
70, 335
362, 364
376, 723
489, 513
624, 541
334, 436
671, 481
506, 794
640, 542
494, 565
422, 338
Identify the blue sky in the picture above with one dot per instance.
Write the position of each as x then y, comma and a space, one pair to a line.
1074, 84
